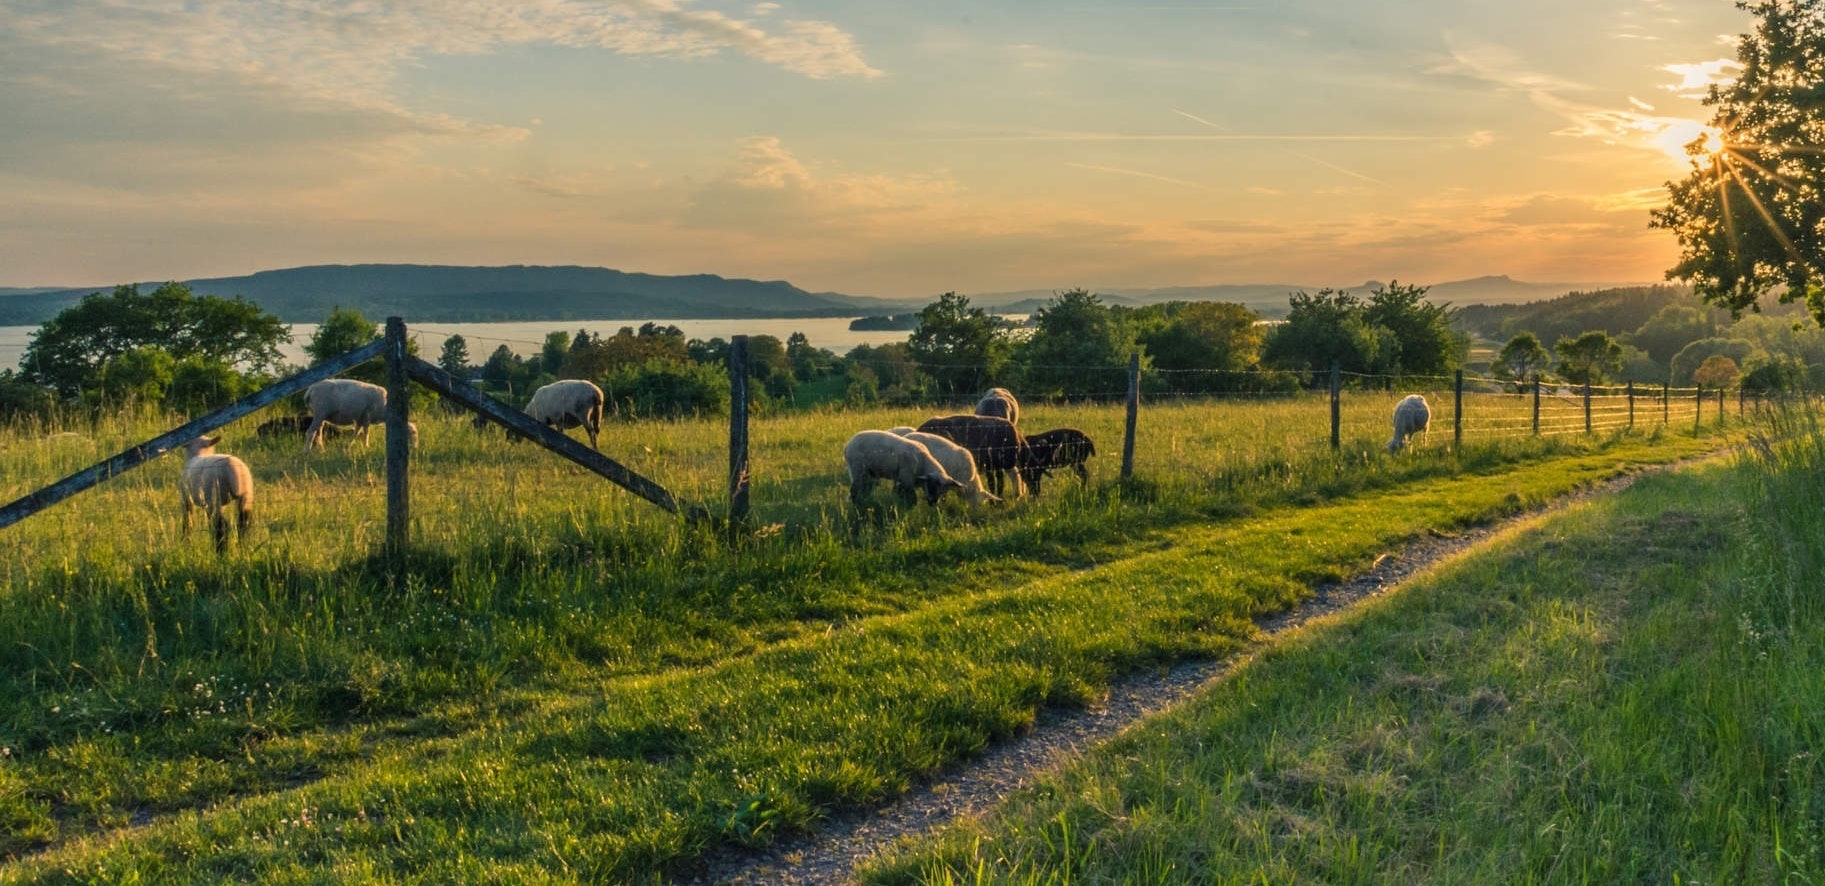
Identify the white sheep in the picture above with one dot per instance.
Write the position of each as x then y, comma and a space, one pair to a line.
1411, 416
345, 402
210, 481
565, 404
879, 455
957, 462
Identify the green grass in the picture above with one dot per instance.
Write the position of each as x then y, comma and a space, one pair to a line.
565, 682
1630, 692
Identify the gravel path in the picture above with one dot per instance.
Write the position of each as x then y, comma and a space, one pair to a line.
977, 783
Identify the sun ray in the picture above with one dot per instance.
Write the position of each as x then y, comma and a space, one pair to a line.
1767, 173
1774, 226
1723, 200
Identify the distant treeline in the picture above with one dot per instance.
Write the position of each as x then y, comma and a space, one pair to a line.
885, 323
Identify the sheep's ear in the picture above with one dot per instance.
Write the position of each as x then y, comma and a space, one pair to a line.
209, 441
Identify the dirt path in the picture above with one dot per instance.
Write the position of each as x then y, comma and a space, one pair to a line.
975, 784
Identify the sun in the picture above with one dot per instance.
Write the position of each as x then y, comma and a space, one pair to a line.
1714, 141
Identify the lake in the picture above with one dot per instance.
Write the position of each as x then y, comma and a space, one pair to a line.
527, 337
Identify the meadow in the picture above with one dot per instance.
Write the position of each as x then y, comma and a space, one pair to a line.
560, 681
1628, 692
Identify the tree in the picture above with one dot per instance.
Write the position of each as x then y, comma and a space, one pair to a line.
1750, 217
68, 352
1325, 327
961, 348
1424, 341
1718, 371
1078, 347
1214, 346
1521, 358
1589, 358
455, 357
1686, 362
1671, 328
342, 331
556, 348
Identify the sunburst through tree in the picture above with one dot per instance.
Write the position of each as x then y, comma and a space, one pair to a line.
1750, 217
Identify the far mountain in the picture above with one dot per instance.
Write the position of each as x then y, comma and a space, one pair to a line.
442, 293
1271, 298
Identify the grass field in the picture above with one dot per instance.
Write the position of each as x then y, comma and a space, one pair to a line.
1630, 692
563, 682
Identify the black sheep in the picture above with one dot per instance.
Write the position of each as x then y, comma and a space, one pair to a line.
997, 447
1058, 448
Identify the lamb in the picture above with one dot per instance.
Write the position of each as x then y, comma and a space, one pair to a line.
957, 462
1058, 448
999, 449
345, 401
1000, 403
1411, 416
565, 404
210, 481
878, 455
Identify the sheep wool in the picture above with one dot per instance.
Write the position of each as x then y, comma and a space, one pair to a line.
212, 481
1411, 416
345, 402
1000, 403
957, 462
567, 403
879, 455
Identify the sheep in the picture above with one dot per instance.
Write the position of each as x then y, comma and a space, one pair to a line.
1411, 416
1058, 448
565, 404
345, 401
210, 481
957, 462
999, 449
1000, 403
877, 455
292, 426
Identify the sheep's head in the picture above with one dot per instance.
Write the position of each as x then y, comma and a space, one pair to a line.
200, 446
935, 485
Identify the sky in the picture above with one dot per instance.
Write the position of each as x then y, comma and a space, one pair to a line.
894, 149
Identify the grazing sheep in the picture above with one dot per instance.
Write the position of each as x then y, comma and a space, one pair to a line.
1000, 403
956, 460
879, 455
1411, 416
565, 404
211, 481
1058, 448
999, 449
292, 426
345, 401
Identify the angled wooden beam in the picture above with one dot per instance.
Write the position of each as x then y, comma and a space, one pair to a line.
442, 382
132, 458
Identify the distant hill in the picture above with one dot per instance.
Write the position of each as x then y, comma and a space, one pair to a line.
441, 293
1271, 299
1616, 311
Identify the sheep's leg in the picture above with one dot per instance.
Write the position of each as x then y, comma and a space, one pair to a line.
1083, 473
219, 522
858, 491
184, 530
244, 519
313, 435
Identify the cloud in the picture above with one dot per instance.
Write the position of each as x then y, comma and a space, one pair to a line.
768, 189
1135, 173
1697, 78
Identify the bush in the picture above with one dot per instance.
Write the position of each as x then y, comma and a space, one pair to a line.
665, 389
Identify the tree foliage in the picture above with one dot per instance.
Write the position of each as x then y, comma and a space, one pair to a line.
68, 353
1328, 327
1078, 348
1424, 343
1718, 371
1522, 358
961, 348
1588, 359
1751, 217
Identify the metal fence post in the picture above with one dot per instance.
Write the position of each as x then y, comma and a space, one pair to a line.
1536, 404
1457, 415
1134, 408
738, 428
1336, 405
399, 442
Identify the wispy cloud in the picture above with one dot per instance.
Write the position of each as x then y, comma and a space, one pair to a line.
1135, 173
1696, 79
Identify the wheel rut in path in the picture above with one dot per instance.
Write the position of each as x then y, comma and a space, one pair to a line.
831, 854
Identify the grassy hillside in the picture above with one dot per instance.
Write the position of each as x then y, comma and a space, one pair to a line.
1630, 692
564, 683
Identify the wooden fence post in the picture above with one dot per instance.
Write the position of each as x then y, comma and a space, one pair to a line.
1741, 392
1134, 408
1336, 405
1587, 407
399, 439
738, 429
1457, 415
1722, 396
1536, 404
1666, 403
1631, 406
1698, 409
